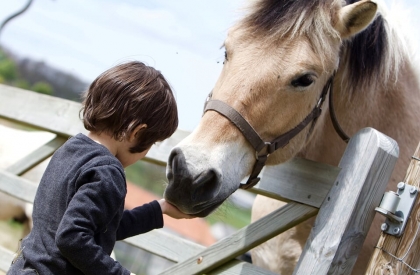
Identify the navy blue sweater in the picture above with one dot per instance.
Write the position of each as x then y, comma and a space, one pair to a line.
79, 213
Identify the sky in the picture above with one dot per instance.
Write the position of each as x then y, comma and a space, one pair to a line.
181, 38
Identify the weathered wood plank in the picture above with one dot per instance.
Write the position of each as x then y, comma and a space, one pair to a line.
406, 247
61, 116
6, 257
45, 112
244, 239
168, 246
236, 267
283, 182
17, 187
299, 180
346, 215
176, 250
36, 157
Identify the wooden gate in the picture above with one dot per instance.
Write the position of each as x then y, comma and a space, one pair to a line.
343, 197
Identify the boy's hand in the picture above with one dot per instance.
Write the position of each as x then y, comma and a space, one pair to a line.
172, 211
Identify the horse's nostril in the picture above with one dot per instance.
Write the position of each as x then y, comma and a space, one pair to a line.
205, 186
176, 163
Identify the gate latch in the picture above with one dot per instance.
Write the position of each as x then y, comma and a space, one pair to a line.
396, 207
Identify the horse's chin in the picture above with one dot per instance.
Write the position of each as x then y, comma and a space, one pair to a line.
182, 199
200, 210
205, 212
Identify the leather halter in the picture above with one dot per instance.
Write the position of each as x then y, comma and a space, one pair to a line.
264, 149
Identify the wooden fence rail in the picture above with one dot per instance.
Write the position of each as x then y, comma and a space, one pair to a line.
307, 186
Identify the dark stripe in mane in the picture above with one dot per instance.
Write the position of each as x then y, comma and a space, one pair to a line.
366, 51
270, 14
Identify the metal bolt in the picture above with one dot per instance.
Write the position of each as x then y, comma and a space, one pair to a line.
384, 226
413, 190
396, 230
401, 185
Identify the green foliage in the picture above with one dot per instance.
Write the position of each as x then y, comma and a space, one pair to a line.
42, 88
9, 75
23, 84
8, 69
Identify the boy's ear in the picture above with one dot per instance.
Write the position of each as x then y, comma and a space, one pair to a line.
137, 131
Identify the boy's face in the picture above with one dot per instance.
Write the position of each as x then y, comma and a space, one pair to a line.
127, 158
124, 155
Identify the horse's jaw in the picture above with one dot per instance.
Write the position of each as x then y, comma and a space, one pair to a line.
201, 177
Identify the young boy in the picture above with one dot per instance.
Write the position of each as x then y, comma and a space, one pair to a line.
78, 210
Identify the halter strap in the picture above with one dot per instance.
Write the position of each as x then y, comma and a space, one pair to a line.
263, 149
334, 119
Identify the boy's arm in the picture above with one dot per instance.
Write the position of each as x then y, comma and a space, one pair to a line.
147, 217
140, 220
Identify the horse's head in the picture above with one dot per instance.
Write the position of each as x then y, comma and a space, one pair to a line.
278, 61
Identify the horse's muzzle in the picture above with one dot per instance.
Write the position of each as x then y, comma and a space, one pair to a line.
193, 191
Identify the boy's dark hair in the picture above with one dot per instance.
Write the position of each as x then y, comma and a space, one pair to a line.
126, 96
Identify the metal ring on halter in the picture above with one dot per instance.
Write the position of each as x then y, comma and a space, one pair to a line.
321, 99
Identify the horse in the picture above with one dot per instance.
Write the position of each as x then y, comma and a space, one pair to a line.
281, 58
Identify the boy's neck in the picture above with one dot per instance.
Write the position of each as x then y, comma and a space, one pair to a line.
106, 140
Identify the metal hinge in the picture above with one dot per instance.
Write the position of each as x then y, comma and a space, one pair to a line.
396, 207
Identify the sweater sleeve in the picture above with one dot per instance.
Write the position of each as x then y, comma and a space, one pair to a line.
140, 220
89, 211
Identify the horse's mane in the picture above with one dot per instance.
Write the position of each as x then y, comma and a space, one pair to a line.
374, 56
376, 53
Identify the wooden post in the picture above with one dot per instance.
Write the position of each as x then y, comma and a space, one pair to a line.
347, 213
400, 255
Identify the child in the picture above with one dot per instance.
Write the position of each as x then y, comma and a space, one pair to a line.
78, 210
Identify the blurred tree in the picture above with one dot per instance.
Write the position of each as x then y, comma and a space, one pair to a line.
9, 75
23, 84
42, 88
8, 70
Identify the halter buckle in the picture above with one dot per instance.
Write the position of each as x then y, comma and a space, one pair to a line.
269, 148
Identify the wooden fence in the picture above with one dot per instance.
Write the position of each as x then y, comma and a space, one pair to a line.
343, 197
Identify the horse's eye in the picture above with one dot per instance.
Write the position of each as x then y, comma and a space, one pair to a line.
226, 56
303, 81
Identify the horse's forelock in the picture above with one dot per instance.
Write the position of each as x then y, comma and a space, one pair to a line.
284, 16
274, 20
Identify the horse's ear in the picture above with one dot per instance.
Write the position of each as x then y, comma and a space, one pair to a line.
355, 17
